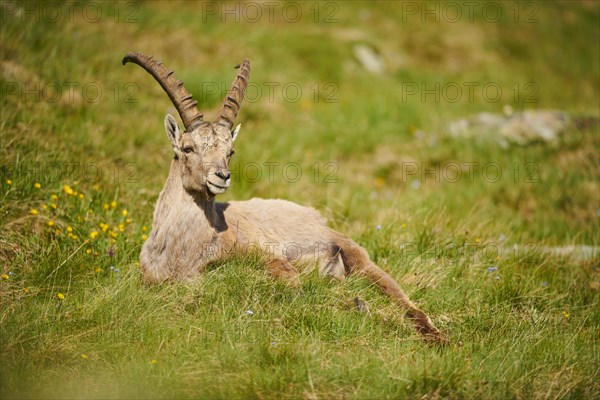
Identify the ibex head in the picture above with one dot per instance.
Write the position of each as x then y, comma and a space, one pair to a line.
204, 149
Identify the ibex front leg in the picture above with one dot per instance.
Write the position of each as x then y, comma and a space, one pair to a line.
282, 270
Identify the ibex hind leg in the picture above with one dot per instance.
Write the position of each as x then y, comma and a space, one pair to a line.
333, 265
356, 260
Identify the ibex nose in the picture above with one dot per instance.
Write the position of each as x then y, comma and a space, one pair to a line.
225, 176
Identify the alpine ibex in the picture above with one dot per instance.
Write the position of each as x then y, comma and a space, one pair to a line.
191, 230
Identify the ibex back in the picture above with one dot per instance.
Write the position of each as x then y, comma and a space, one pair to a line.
191, 230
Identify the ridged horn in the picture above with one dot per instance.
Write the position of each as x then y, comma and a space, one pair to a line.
182, 100
235, 95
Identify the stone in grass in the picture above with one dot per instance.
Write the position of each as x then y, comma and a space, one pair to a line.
360, 305
520, 128
576, 252
369, 60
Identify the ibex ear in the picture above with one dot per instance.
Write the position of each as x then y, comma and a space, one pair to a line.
173, 132
235, 132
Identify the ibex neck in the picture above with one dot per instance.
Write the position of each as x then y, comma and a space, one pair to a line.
175, 196
185, 226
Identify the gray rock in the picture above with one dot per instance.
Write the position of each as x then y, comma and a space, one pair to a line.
370, 60
519, 128
577, 252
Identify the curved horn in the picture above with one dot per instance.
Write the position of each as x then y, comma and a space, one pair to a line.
181, 98
235, 95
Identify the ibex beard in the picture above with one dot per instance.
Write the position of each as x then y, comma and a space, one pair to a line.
188, 221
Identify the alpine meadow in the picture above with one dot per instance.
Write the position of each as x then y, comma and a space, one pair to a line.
458, 143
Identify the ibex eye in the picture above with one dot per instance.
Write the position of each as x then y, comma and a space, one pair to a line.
188, 149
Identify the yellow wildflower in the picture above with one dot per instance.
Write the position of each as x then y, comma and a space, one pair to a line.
69, 229
144, 237
122, 227
84, 356
113, 204
81, 196
566, 314
68, 189
113, 234
105, 206
144, 228
50, 223
8, 182
93, 235
97, 270
53, 205
5, 277
44, 207
37, 185
103, 226
477, 240
403, 226
60, 296
88, 251
33, 211
128, 220
124, 212
152, 362
54, 197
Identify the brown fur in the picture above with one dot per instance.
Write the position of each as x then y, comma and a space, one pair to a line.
190, 230
281, 269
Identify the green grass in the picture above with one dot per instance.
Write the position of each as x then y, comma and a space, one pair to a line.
523, 323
